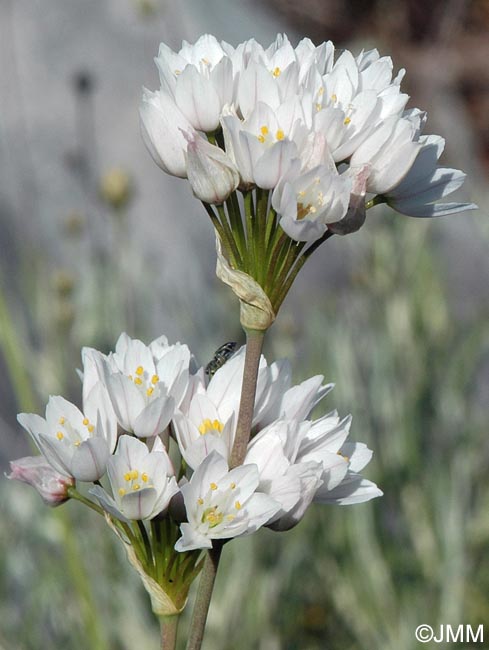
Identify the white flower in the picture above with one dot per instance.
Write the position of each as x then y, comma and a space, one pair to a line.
199, 79
162, 128
37, 472
425, 183
302, 461
76, 444
211, 173
310, 201
144, 383
142, 481
262, 147
221, 504
390, 152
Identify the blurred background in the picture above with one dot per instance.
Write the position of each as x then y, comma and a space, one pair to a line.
95, 239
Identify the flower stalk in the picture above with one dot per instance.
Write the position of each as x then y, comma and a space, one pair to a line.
169, 629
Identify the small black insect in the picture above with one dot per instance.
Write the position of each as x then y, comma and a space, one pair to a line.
221, 355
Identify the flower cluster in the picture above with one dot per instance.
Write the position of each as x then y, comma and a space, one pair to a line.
325, 136
142, 403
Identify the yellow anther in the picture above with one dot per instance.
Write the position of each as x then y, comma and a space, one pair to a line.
134, 474
347, 458
261, 138
334, 98
213, 486
230, 517
205, 61
346, 121
62, 420
121, 492
208, 425
200, 501
276, 72
149, 391
86, 421
127, 476
144, 477
280, 135
177, 72
237, 505
77, 443
155, 379
318, 107
233, 486
136, 486
138, 381
90, 428
139, 370
321, 91
264, 130
303, 210
60, 435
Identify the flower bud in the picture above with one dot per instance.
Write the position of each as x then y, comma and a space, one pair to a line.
211, 173
36, 471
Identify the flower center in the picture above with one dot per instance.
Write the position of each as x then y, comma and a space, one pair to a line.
142, 380
210, 426
135, 480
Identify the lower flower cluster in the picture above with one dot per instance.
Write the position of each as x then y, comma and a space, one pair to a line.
154, 439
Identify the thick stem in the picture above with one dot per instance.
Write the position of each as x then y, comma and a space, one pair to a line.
204, 595
169, 627
254, 345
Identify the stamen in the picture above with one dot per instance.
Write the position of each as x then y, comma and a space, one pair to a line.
264, 130
60, 435
334, 98
90, 428
62, 420
77, 443
200, 501
155, 379
136, 486
144, 477
276, 72
149, 391
139, 370
122, 492
86, 421
237, 505
127, 476
347, 121
280, 135
213, 486
233, 486
138, 381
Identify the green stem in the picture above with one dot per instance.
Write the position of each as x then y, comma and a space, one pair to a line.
234, 211
169, 627
74, 494
204, 595
230, 236
285, 286
222, 233
249, 216
254, 345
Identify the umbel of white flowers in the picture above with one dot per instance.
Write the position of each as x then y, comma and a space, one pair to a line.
140, 400
326, 136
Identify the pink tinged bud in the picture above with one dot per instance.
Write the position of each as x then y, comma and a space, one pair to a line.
211, 173
36, 471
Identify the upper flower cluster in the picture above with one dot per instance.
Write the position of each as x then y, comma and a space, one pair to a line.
321, 133
138, 398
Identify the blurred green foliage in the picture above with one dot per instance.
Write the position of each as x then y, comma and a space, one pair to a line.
413, 373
